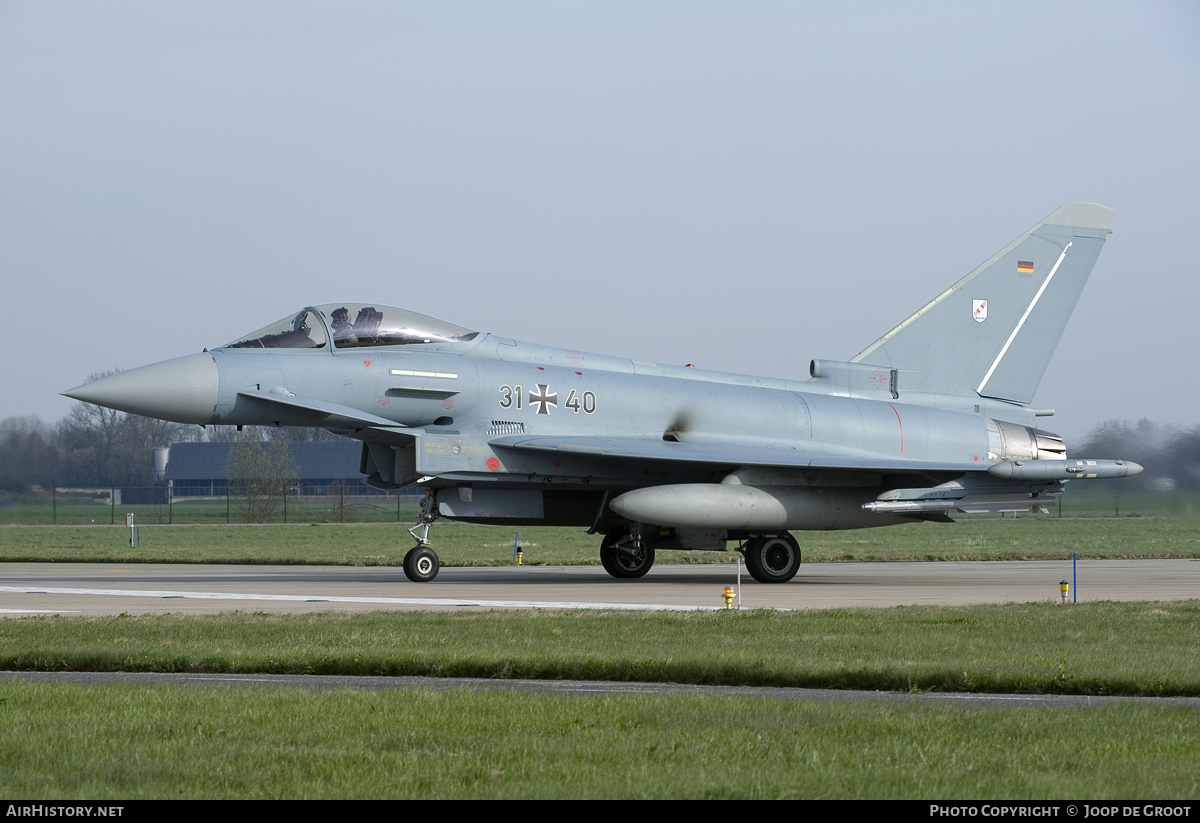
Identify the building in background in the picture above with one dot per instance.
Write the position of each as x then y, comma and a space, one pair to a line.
323, 468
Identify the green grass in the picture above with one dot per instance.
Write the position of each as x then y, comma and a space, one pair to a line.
123, 741
127, 742
1116, 498
1096, 648
460, 544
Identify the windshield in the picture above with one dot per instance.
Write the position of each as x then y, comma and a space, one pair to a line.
357, 324
297, 331
353, 325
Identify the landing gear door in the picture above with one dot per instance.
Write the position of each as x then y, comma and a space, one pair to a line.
391, 465
406, 468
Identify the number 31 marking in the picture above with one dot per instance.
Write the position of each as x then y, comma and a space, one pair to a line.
509, 393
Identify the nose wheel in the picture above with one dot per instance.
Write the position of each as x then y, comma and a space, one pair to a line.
421, 564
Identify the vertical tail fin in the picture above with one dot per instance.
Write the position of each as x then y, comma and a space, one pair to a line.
993, 332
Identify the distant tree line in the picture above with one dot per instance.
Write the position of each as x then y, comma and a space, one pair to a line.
1170, 455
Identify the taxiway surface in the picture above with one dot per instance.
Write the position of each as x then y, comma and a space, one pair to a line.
102, 588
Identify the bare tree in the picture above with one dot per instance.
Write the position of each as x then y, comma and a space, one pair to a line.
341, 505
1183, 454
88, 438
303, 434
223, 434
260, 473
231, 434
1144, 442
101, 447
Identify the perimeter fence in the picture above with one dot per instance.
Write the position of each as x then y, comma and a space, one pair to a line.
326, 503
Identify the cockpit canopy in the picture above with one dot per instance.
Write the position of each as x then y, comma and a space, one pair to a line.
352, 325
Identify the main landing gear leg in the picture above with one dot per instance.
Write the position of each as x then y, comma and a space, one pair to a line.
421, 564
624, 554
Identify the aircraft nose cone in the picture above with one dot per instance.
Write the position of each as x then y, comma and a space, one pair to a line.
183, 390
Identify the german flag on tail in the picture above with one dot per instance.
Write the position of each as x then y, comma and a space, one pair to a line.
1024, 267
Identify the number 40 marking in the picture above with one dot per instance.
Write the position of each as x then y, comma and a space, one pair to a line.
588, 405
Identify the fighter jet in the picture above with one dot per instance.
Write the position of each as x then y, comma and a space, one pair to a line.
932, 417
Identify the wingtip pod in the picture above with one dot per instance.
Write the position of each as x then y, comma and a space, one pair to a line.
1082, 215
1065, 469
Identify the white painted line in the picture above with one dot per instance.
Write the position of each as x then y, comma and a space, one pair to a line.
397, 601
407, 373
38, 611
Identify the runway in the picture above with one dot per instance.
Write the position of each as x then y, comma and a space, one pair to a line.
106, 589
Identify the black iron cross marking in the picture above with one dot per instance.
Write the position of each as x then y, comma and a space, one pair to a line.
543, 398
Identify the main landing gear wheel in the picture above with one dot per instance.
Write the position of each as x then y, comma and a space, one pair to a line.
421, 564
623, 556
773, 559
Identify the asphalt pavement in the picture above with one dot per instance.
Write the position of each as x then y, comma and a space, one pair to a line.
112, 588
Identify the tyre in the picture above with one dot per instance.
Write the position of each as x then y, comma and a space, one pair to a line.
773, 559
421, 565
622, 559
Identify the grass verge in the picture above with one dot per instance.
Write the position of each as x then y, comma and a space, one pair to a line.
127, 742
461, 544
1095, 648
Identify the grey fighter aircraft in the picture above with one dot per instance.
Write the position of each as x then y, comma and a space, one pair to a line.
932, 417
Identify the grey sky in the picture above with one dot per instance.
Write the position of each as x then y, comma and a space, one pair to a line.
740, 186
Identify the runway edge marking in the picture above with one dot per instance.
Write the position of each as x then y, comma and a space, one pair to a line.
396, 601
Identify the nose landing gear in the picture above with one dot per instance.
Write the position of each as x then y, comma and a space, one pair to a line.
421, 564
